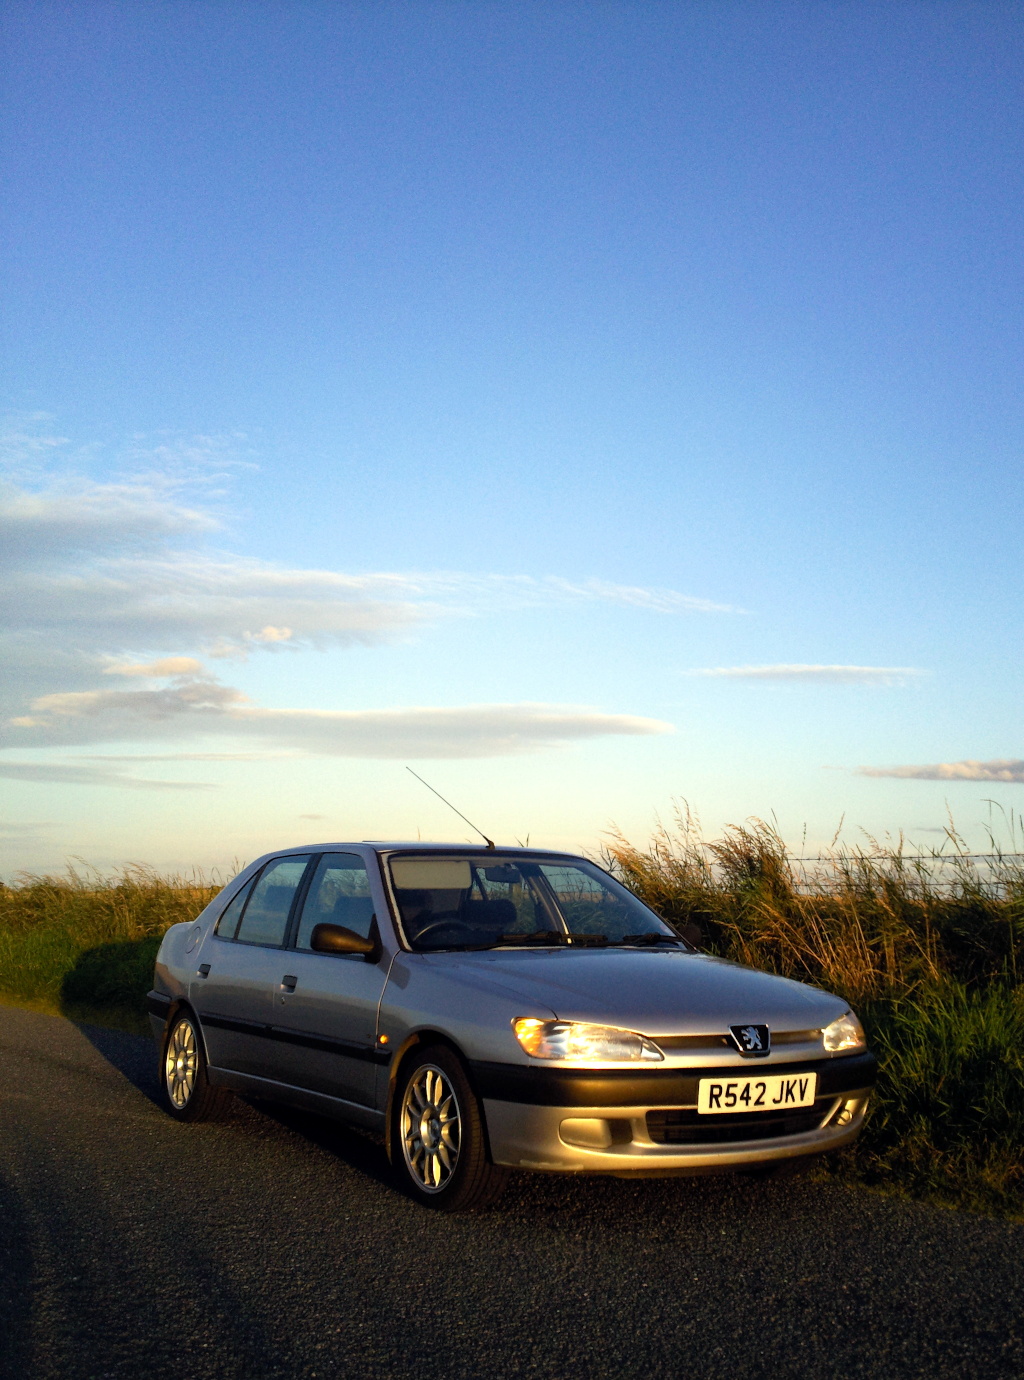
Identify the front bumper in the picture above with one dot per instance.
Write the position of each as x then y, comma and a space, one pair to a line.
573, 1121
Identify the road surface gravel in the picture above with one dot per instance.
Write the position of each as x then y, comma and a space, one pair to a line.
274, 1244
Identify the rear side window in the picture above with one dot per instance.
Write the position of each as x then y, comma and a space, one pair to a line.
228, 922
266, 916
339, 894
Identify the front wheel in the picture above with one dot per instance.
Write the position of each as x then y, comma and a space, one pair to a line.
185, 1088
438, 1140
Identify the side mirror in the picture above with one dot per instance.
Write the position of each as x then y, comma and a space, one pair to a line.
336, 939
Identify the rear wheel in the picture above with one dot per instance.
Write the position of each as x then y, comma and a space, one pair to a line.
187, 1093
439, 1146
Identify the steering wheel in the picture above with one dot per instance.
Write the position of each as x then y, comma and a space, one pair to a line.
446, 925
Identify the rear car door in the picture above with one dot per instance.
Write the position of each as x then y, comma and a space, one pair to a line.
325, 1005
239, 966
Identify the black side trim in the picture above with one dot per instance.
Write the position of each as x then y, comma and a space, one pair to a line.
350, 1048
548, 1087
158, 1003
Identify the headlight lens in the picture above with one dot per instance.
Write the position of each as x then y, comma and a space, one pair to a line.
845, 1034
575, 1040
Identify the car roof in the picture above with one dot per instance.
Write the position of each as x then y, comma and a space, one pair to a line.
419, 846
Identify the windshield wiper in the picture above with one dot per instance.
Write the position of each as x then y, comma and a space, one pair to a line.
535, 937
651, 937
560, 937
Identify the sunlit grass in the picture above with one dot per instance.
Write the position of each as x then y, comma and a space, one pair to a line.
84, 944
865, 922
926, 948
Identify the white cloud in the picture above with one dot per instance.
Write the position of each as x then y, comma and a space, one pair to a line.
1000, 769
206, 706
815, 675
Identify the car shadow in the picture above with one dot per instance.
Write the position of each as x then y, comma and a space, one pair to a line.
134, 1057
360, 1150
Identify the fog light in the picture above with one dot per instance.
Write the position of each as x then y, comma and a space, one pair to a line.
846, 1113
589, 1132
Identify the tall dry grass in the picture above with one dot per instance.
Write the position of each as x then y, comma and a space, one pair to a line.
866, 921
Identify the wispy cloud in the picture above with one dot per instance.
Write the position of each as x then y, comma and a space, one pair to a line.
71, 775
105, 577
999, 769
120, 579
24, 829
193, 706
159, 670
187, 756
815, 675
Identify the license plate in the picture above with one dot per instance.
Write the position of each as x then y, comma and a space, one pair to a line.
773, 1092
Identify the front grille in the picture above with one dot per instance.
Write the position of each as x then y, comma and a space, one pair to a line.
686, 1126
674, 1044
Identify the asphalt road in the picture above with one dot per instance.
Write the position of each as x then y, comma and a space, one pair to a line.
274, 1244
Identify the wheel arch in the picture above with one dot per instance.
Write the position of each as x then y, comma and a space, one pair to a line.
176, 1007
413, 1042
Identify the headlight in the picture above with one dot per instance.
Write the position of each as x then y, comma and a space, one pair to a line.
574, 1040
846, 1033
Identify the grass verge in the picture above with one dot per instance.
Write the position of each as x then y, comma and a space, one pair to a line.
929, 955
83, 945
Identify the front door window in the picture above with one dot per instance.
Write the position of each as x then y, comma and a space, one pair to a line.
266, 916
339, 894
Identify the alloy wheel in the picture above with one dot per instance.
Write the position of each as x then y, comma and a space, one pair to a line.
430, 1128
181, 1063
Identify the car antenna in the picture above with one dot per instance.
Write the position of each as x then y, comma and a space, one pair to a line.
489, 842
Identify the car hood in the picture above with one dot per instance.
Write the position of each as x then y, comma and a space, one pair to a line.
659, 992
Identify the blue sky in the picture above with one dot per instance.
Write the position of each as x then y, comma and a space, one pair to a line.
515, 366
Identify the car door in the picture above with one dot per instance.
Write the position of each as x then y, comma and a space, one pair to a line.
325, 1005
239, 966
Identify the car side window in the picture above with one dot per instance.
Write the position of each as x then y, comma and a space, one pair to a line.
339, 894
266, 916
228, 922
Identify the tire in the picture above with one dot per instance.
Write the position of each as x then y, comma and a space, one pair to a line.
437, 1135
185, 1090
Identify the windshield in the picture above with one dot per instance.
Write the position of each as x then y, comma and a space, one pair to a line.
451, 902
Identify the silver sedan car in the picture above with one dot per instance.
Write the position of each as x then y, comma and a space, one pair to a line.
497, 1009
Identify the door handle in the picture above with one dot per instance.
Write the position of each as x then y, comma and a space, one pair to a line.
288, 982
204, 970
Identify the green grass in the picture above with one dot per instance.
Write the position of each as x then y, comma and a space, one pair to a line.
83, 945
948, 1117
930, 955
928, 951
